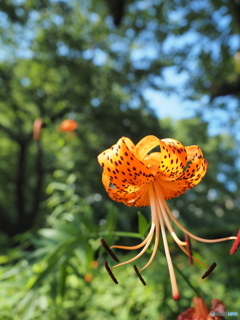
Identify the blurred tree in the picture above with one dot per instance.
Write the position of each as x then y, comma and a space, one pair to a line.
59, 80
66, 59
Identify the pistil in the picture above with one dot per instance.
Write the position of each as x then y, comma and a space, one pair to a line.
154, 204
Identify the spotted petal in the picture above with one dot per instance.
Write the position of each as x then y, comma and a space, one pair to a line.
192, 175
171, 159
197, 167
132, 196
123, 171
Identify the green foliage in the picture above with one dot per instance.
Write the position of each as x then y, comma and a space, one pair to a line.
143, 225
67, 59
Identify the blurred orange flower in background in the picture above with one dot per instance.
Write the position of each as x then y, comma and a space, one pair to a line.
68, 125
88, 277
37, 126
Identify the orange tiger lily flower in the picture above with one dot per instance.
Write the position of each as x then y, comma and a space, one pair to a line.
136, 177
201, 312
68, 125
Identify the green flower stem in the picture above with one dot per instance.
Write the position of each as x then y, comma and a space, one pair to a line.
197, 291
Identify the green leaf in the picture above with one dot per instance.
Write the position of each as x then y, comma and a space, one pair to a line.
89, 254
55, 235
71, 178
111, 218
56, 186
143, 224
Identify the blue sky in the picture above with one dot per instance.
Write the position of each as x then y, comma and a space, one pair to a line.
170, 105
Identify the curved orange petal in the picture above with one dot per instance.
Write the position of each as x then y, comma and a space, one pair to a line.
122, 167
172, 158
172, 189
192, 175
197, 167
131, 146
145, 145
152, 161
132, 196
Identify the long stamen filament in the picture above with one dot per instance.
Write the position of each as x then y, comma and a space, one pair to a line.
169, 226
156, 221
147, 242
150, 234
175, 291
192, 235
154, 249
139, 255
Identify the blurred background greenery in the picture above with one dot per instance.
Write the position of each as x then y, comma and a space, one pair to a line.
101, 63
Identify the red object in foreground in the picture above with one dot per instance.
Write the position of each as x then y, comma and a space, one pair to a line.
68, 125
201, 312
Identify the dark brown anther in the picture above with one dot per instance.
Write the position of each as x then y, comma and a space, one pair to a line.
109, 251
139, 275
189, 249
110, 272
210, 270
236, 244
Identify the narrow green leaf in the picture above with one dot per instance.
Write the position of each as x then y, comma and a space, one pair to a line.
56, 186
143, 224
54, 235
111, 219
